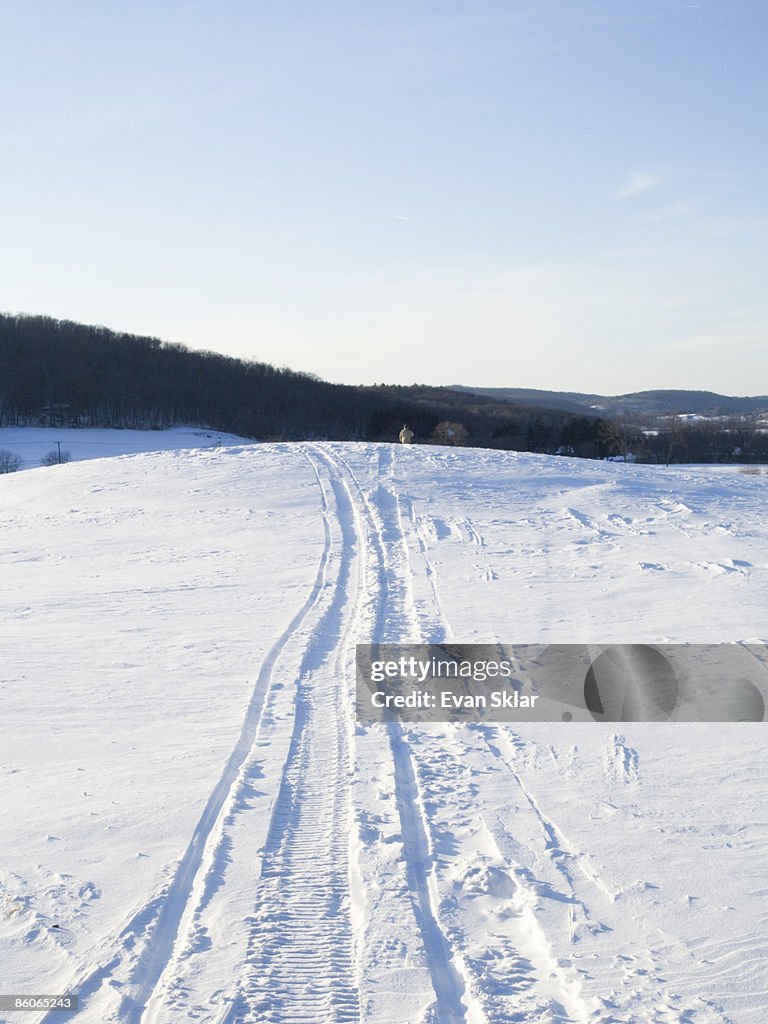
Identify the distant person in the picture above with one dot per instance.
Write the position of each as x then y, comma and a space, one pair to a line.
406, 434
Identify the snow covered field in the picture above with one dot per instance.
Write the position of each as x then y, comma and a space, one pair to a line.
195, 829
32, 444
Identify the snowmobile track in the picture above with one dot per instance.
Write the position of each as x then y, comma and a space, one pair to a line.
300, 964
164, 919
395, 620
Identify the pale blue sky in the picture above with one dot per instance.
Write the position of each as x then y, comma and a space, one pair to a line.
557, 194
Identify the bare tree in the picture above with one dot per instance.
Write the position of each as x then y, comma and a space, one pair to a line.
622, 436
55, 457
448, 432
9, 461
676, 441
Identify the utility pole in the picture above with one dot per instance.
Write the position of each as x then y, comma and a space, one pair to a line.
58, 445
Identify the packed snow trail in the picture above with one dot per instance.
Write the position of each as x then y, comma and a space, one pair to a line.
433, 628
395, 621
300, 963
165, 917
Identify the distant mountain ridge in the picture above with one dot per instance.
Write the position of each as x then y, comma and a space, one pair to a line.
661, 402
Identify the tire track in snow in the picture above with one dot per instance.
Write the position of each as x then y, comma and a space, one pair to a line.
301, 961
520, 901
434, 624
479, 541
210, 843
570, 1000
394, 619
161, 919
486, 733
534, 941
650, 990
504, 745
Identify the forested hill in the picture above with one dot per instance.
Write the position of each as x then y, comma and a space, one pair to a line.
661, 402
56, 372
60, 373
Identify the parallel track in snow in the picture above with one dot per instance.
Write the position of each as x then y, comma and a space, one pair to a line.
300, 963
501, 745
163, 924
437, 628
395, 620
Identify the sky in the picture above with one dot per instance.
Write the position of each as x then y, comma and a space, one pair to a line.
561, 194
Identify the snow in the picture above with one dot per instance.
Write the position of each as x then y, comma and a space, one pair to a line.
195, 828
32, 444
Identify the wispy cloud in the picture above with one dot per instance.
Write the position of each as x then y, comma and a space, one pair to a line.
668, 212
679, 209
637, 183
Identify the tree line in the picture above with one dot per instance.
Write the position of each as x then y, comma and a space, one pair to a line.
57, 372
676, 439
60, 373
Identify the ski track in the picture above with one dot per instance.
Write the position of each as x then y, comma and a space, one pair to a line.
300, 963
531, 961
165, 922
536, 958
394, 621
